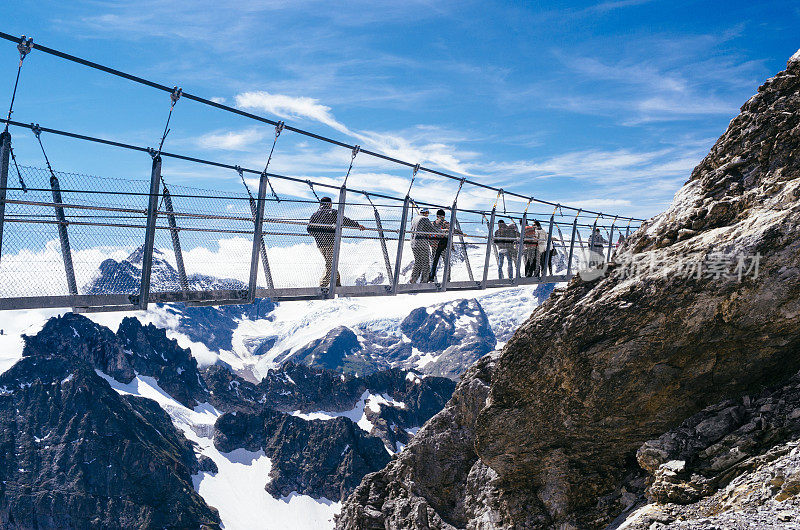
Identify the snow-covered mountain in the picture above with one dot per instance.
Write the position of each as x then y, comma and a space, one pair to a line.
293, 445
358, 335
282, 408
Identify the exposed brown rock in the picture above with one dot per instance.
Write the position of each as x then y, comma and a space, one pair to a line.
603, 366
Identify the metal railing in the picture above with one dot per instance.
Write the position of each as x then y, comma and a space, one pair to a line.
106, 244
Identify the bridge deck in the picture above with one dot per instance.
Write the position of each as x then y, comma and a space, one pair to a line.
203, 252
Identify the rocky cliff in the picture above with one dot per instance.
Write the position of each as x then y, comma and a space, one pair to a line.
79, 447
733, 464
76, 454
701, 305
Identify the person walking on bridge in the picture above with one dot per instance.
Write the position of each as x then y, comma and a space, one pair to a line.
439, 241
422, 232
541, 236
505, 237
322, 227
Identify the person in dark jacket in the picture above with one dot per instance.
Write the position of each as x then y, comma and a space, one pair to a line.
322, 227
439, 241
422, 231
531, 247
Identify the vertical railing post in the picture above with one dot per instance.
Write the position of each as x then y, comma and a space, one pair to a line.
63, 236
258, 227
337, 243
264, 258
401, 240
382, 238
176, 241
489, 244
5, 150
521, 246
610, 241
547, 251
572, 246
449, 250
150, 232
464, 250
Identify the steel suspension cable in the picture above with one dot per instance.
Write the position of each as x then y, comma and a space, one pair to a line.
186, 158
413, 176
16, 166
174, 97
311, 185
278, 130
262, 119
37, 132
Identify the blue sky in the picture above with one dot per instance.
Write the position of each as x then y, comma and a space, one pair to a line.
605, 105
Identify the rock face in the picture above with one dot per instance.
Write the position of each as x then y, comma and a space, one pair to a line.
458, 333
134, 349
437, 481
318, 458
75, 454
328, 352
603, 366
738, 458
441, 340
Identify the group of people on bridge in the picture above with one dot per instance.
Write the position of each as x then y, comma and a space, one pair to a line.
429, 240
506, 240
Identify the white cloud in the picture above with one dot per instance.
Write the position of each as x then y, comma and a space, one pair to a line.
231, 140
600, 204
290, 107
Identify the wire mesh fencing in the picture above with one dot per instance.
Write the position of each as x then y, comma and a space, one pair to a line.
77, 234
73, 222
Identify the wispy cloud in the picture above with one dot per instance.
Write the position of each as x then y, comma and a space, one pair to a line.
231, 140
290, 107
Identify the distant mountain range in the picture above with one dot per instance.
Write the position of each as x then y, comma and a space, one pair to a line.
172, 425
442, 337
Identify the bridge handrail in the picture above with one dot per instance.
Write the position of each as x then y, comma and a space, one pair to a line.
353, 148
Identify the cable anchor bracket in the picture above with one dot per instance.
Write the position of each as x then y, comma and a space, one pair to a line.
24, 47
176, 94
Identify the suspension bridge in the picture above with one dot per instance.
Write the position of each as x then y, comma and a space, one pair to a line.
94, 243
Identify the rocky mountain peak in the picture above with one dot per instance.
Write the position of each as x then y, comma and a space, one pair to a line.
603, 366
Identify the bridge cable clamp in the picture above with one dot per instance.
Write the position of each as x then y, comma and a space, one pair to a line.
24, 47
356, 150
496, 199
311, 185
460, 185
413, 176
177, 92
